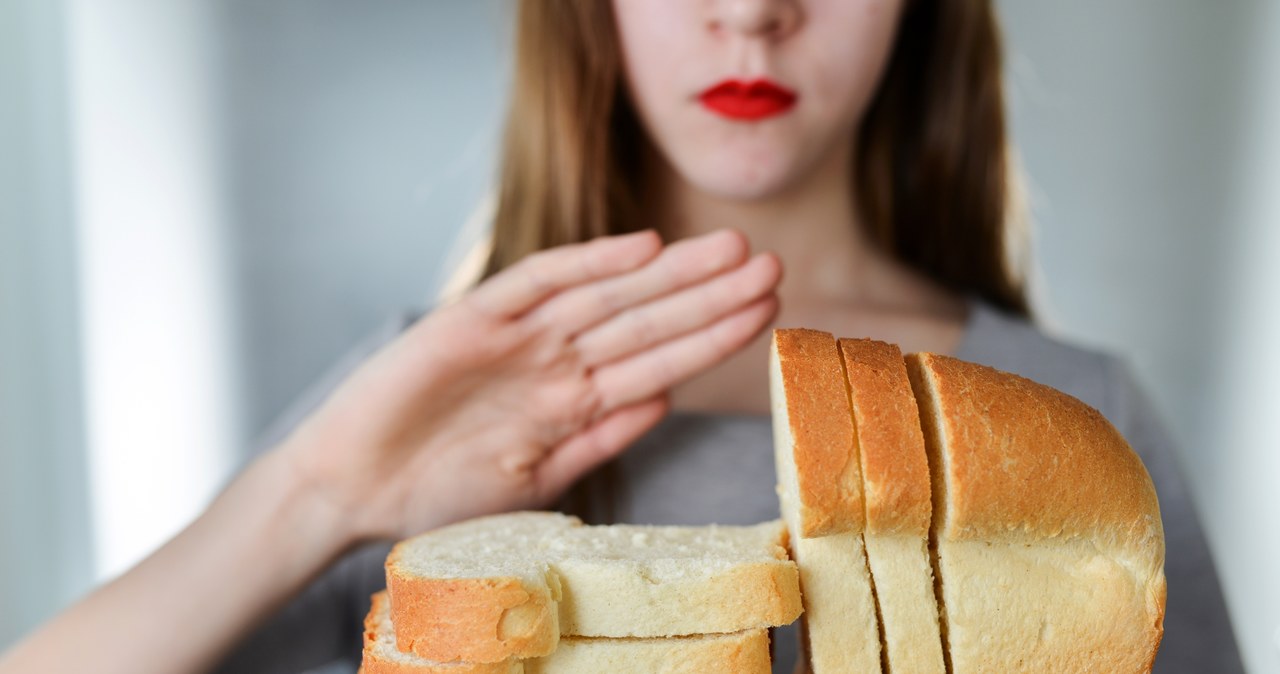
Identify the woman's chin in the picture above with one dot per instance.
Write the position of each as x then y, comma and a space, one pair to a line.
742, 181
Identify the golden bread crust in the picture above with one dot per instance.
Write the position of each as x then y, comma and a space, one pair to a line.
373, 663
821, 424
1027, 461
448, 619
895, 471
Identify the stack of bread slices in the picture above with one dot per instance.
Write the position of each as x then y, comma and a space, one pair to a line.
940, 516
541, 592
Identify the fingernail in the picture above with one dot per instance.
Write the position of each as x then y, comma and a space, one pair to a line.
631, 248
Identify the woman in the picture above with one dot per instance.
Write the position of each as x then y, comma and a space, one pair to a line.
860, 142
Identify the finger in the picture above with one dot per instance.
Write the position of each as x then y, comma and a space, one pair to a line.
601, 441
681, 264
681, 312
655, 370
538, 276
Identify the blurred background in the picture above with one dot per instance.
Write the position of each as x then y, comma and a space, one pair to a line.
204, 203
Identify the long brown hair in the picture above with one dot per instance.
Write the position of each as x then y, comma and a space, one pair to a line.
932, 168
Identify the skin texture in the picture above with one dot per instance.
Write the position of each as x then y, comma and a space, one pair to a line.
504, 398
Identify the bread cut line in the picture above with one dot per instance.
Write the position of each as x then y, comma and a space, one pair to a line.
1005, 526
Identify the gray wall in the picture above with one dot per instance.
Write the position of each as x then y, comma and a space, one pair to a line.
361, 136
1126, 117
1140, 124
44, 535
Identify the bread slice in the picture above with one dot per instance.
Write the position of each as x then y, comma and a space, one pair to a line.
896, 490
509, 586
746, 652
382, 657
820, 493
1049, 544
479, 591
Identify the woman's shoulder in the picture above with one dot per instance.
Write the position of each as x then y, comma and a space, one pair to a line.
1014, 344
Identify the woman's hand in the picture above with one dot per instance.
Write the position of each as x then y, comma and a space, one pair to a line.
503, 399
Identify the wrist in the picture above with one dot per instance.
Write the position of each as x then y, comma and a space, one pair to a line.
294, 518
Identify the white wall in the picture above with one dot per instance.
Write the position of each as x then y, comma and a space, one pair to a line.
159, 334
1142, 126
1243, 462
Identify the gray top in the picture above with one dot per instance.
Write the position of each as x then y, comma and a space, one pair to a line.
702, 468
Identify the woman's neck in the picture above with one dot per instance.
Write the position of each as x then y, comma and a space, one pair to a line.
835, 278
814, 227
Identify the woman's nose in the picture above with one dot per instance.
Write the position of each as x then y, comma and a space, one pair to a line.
769, 19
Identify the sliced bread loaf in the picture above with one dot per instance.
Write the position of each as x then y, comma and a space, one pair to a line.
820, 492
510, 586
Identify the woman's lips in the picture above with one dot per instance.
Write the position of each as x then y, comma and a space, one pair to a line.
748, 101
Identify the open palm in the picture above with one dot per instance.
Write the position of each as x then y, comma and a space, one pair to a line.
505, 398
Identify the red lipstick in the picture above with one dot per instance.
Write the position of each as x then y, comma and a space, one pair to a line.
748, 101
